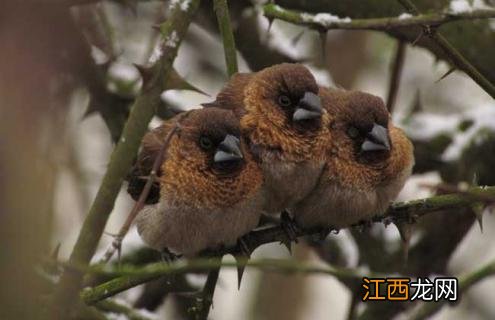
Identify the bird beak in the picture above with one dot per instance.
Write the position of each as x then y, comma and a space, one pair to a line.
309, 107
377, 139
228, 150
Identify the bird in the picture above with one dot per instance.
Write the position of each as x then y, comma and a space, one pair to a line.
285, 126
368, 160
208, 192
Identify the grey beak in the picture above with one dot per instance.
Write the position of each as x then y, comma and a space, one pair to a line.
309, 107
377, 139
228, 150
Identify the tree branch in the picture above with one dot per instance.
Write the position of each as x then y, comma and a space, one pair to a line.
154, 79
397, 213
223, 18
156, 270
395, 73
325, 22
429, 22
456, 58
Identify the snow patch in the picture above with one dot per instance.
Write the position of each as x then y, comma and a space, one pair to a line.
172, 40
157, 53
483, 117
98, 55
325, 19
184, 4
405, 16
123, 71
460, 6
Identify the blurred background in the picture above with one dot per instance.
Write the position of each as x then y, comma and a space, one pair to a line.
63, 67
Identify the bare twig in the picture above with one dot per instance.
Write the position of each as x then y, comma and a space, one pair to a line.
119, 237
222, 12
173, 31
207, 294
396, 69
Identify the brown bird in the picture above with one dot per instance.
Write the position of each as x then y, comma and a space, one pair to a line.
209, 189
283, 121
368, 162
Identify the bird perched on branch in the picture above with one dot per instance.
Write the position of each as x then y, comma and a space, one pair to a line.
368, 160
282, 119
208, 191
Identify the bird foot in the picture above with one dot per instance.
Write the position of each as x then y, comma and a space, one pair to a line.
291, 229
168, 256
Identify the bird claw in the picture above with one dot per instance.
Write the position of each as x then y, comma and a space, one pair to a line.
323, 234
290, 228
169, 257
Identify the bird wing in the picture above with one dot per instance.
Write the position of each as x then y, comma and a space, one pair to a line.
138, 176
232, 95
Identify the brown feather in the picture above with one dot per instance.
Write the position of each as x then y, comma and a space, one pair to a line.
355, 185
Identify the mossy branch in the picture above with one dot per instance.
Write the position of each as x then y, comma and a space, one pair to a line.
225, 27
273, 11
398, 213
429, 22
143, 109
156, 270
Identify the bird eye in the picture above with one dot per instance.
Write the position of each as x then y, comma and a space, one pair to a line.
205, 143
353, 132
284, 101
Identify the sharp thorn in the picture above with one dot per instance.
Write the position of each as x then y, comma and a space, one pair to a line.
241, 256
56, 251
145, 72
420, 35
446, 74
288, 245
241, 266
270, 23
297, 38
405, 231
478, 211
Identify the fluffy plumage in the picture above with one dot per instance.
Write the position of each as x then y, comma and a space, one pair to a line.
282, 119
368, 161
209, 186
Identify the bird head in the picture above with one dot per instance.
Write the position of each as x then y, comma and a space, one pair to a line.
207, 162
364, 143
287, 96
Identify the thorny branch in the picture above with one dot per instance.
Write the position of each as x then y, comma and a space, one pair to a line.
321, 23
456, 58
143, 109
156, 270
429, 22
405, 212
